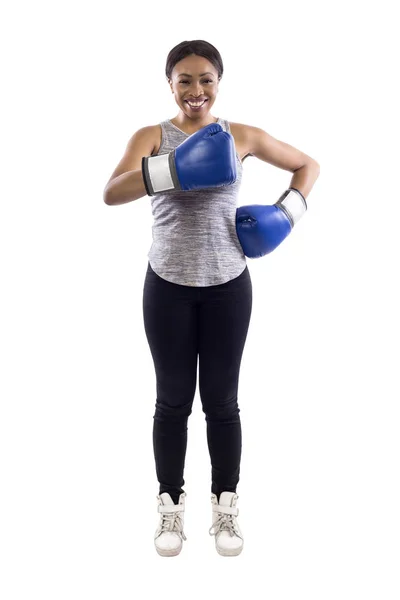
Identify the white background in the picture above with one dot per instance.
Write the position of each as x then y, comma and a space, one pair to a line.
319, 489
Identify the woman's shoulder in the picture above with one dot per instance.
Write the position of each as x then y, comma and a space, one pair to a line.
242, 137
153, 134
241, 130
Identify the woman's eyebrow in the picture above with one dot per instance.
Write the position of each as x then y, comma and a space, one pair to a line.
187, 74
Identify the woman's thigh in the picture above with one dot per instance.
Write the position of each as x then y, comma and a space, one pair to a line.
224, 320
170, 322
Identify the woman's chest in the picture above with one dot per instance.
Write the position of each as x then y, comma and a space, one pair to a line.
237, 133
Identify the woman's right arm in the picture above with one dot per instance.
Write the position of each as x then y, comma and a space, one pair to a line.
126, 182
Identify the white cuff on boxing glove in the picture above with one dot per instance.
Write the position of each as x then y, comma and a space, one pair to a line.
159, 173
293, 204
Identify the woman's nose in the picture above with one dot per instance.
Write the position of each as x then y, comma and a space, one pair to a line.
197, 90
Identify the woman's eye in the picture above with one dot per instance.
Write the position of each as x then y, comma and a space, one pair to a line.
206, 81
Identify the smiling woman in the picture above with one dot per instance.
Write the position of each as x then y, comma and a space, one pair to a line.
197, 295
193, 71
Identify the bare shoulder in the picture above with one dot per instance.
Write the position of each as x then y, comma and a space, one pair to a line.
141, 143
242, 136
245, 134
150, 133
239, 130
155, 135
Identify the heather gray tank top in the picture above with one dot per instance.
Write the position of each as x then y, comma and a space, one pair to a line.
194, 232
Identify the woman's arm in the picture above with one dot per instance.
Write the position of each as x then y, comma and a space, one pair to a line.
284, 156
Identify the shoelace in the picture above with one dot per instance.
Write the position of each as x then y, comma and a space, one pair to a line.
172, 522
224, 523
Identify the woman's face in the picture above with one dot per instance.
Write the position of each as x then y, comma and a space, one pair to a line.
195, 79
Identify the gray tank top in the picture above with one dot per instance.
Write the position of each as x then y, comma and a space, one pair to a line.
194, 232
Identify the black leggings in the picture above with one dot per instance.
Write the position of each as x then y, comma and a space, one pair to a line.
183, 322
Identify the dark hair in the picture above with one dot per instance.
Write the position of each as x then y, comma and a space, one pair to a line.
198, 47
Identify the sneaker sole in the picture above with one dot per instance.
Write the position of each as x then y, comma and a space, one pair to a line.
171, 552
233, 552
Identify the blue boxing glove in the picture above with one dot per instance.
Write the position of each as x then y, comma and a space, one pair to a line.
205, 159
261, 228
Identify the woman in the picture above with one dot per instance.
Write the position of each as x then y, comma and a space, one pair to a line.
197, 296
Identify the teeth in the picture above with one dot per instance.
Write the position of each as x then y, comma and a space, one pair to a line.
196, 104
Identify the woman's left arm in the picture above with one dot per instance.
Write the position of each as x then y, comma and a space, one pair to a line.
284, 156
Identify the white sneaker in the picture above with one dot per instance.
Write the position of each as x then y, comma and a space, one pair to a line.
228, 537
169, 534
